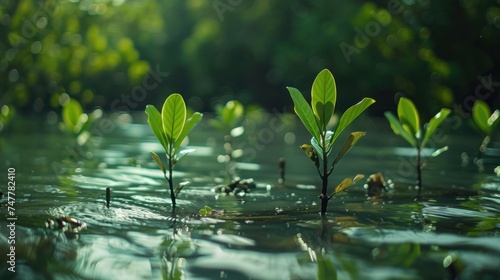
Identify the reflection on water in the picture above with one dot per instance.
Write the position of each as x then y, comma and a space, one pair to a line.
273, 232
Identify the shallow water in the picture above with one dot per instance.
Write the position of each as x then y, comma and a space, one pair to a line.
273, 232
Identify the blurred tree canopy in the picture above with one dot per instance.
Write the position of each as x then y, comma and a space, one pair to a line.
123, 54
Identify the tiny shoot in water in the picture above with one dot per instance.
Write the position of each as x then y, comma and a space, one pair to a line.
171, 128
315, 118
76, 122
485, 121
407, 125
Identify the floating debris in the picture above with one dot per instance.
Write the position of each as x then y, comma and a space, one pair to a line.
375, 184
66, 224
237, 186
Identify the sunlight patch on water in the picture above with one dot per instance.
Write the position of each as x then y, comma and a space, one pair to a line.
453, 213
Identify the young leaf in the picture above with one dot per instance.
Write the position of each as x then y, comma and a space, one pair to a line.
304, 112
348, 144
439, 151
399, 130
173, 116
154, 120
182, 153
408, 116
357, 178
317, 147
434, 123
158, 162
351, 114
480, 114
71, 115
326, 268
231, 113
342, 186
310, 153
323, 97
188, 126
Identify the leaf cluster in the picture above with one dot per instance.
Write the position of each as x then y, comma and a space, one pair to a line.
484, 120
407, 124
75, 121
228, 116
171, 127
316, 117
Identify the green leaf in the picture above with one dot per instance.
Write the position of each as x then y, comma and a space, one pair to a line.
71, 115
480, 114
317, 147
434, 124
351, 114
408, 116
304, 111
399, 130
439, 151
323, 97
158, 162
208, 208
181, 154
154, 120
348, 144
188, 126
347, 182
173, 116
231, 113
202, 212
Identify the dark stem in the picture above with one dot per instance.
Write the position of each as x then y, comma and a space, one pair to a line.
324, 177
170, 180
419, 172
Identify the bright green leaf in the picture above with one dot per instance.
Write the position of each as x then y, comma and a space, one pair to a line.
348, 144
158, 162
202, 212
71, 115
208, 208
317, 147
304, 112
480, 114
434, 124
399, 130
173, 116
154, 120
232, 113
188, 126
323, 97
408, 116
351, 114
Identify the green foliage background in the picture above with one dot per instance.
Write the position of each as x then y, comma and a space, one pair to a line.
97, 51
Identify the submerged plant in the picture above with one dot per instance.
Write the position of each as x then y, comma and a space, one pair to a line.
76, 122
407, 125
315, 118
485, 121
170, 128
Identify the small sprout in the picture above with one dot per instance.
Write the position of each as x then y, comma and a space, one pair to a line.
76, 122
208, 211
407, 125
316, 119
485, 121
228, 117
171, 128
108, 196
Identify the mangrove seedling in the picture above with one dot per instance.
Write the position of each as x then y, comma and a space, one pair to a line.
315, 118
227, 120
407, 125
485, 121
76, 122
170, 128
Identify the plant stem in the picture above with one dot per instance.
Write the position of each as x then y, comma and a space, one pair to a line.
419, 172
324, 188
171, 181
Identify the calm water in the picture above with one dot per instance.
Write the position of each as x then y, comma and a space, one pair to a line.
273, 232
